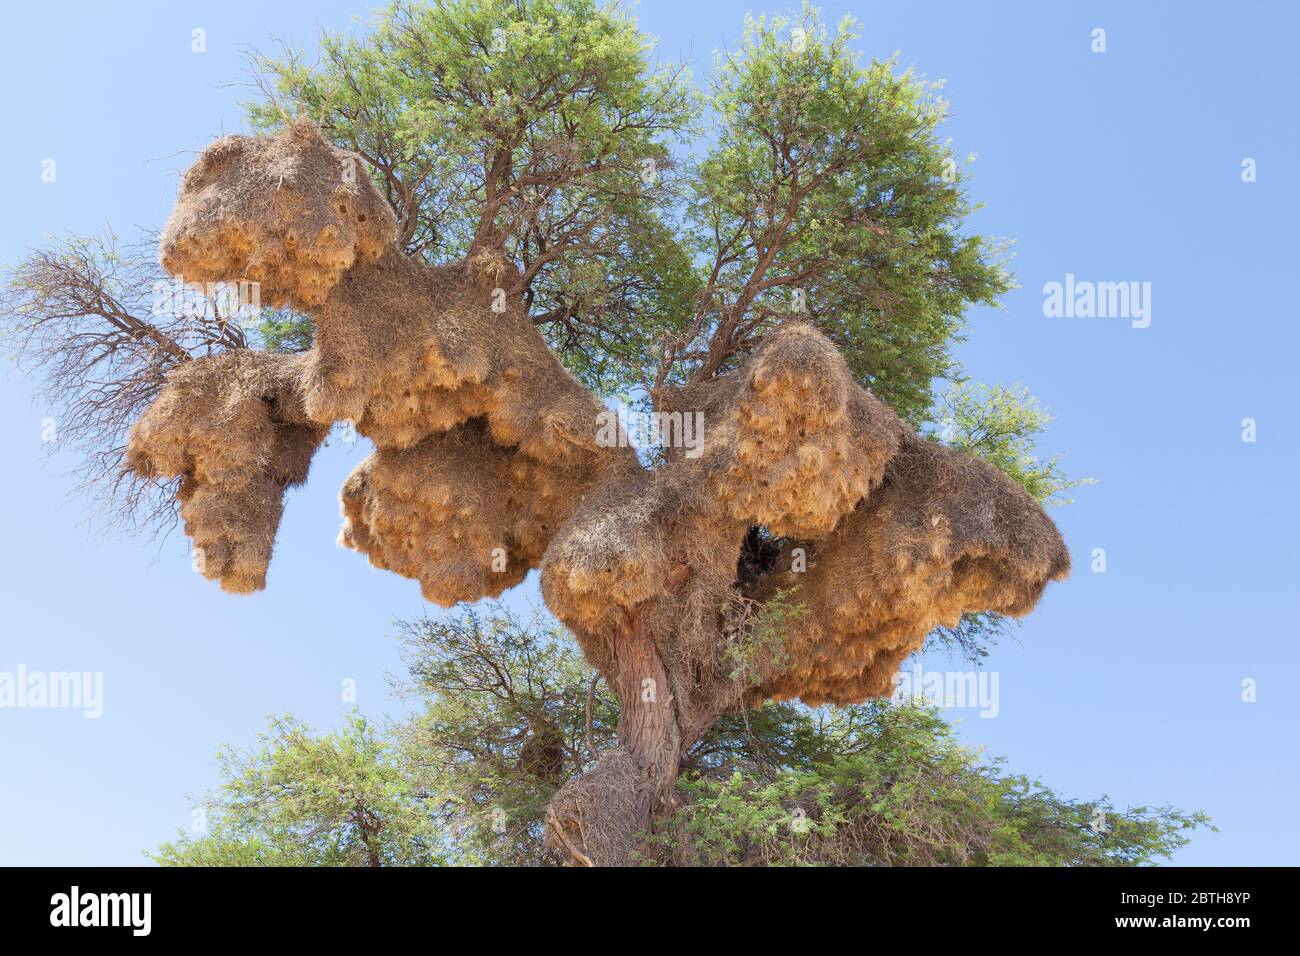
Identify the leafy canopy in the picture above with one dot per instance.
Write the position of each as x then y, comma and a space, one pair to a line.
542, 121
826, 190
1000, 425
662, 230
345, 798
877, 784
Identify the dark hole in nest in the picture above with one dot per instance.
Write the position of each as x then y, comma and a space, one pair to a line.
758, 555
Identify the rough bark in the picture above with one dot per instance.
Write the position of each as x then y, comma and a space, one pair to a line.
600, 817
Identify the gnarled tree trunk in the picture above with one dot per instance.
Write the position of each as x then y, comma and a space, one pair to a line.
599, 817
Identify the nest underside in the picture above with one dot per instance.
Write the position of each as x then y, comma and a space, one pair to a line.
488, 459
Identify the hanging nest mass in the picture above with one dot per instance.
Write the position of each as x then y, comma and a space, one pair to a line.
233, 429
542, 755
488, 458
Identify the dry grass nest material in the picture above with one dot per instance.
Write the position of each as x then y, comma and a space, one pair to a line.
487, 464
232, 429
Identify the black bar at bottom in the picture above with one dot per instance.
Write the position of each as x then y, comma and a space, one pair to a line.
264, 905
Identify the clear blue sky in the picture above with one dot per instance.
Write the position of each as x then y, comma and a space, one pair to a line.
1122, 166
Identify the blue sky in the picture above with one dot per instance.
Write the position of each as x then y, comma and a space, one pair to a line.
1119, 166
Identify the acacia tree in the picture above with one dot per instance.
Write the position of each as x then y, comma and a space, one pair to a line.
469, 225
465, 780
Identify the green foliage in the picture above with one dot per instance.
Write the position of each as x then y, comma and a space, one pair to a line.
834, 172
486, 683
972, 637
1000, 425
644, 262
760, 644
783, 785
887, 785
541, 118
282, 330
345, 798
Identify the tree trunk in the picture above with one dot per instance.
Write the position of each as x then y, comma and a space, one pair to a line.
647, 720
597, 818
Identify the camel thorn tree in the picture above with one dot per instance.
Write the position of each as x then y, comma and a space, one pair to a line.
473, 231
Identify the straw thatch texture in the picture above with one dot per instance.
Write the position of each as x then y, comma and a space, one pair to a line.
596, 816
487, 462
609, 557
789, 441
403, 349
902, 534
484, 441
232, 428
648, 539
945, 534
793, 443
290, 212
461, 514
542, 754
407, 350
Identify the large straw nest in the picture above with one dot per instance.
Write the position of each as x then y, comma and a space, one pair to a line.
232, 429
290, 212
407, 350
487, 462
607, 559
902, 534
462, 515
944, 535
792, 443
